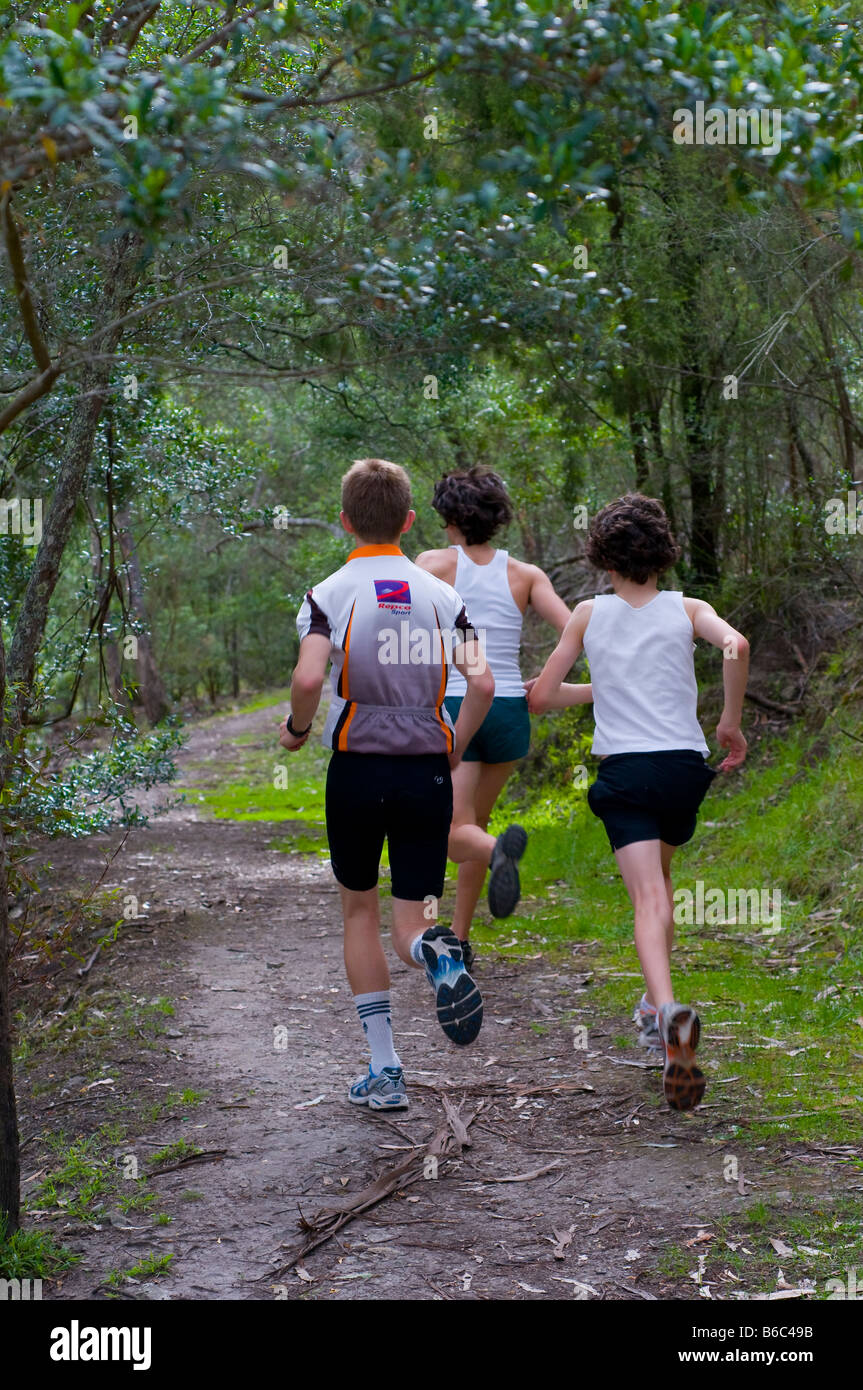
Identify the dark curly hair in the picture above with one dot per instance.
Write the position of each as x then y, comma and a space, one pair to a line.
476, 501
631, 535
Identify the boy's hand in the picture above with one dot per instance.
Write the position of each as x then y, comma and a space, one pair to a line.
528, 690
289, 740
728, 736
535, 705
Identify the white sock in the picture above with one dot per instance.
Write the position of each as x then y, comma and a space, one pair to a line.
374, 1012
416, 951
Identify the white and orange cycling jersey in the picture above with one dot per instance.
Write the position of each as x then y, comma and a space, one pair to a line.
392, 628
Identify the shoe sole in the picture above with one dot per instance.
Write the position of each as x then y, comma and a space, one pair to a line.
389, 1103
459, 1010
459, 1004
375, 1103
504, 887
682, 1081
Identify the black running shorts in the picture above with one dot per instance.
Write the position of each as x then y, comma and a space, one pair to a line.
373, 797
650, 796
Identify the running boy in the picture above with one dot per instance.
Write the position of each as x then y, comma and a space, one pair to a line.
390, 630
653, 775
474, 505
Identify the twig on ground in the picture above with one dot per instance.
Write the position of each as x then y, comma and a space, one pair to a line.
524, 1177
208, 1156
321, 1227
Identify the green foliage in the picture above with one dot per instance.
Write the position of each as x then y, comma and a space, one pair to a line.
91, 793
32, 1254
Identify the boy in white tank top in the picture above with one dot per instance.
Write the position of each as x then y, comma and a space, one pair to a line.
653, 775
496, 589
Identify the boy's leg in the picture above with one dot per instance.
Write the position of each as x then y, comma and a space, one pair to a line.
666, 852
419, 816
645, 867
369, 979
641, 868
365, 962
410, 920
356, 837
476, 788
468, 843
419, 941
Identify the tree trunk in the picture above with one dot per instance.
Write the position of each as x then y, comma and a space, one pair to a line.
699, 467
639, 449
10, 1162
109, 651
153, 692
662, 465
121, 276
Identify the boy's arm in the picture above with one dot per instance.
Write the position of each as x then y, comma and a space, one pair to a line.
707, 623
546, 602
469, 658
563, 658
306, 686
566, 695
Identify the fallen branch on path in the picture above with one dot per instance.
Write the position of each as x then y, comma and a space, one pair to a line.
447, 1142
524, 1177
642, 1066
208, 1156
501, 1088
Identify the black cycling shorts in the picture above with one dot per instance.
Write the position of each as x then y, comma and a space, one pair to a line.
407, 801
650, 796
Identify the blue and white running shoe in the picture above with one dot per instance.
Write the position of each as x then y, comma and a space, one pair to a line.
384, 1091
647, 1020
459, 1002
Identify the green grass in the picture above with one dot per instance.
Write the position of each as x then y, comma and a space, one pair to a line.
32, 1255
83, 1181
88, 1179
140, 1200
279, 696
819, 1242
93, 1019
254, 794
152, 1266
173, 1101
172, 1153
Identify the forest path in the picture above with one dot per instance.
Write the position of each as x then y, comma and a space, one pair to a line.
246, 940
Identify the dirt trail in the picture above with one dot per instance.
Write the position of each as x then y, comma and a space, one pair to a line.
246, 940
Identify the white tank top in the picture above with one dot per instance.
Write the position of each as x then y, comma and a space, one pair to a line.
645, 696
497, 618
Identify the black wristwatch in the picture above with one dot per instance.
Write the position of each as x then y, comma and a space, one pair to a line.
295, 733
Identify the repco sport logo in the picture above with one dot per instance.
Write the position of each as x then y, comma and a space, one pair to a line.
393, 594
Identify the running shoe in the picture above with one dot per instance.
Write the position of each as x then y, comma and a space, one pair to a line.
679, 1029
504, 886
384, 1091
459, 1002
646, 1019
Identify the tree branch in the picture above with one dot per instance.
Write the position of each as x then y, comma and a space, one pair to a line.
225, 32
22, 284
39, 386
